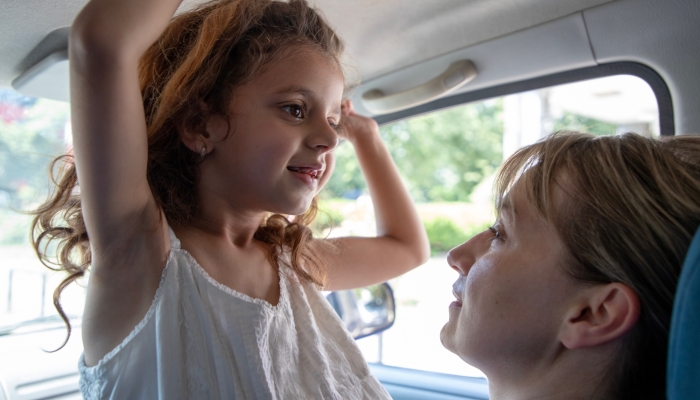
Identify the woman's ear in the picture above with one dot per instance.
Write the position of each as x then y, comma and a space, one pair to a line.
604, 313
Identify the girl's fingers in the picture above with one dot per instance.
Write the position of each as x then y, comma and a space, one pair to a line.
346, 107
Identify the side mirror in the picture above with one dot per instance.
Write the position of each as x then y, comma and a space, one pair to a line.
365, 311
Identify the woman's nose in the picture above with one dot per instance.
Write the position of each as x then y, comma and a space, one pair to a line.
462, 257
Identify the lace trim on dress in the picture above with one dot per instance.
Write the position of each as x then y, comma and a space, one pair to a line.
237, 294
95, 371
90, 383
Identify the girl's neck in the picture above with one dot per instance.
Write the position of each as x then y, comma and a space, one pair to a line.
237, 228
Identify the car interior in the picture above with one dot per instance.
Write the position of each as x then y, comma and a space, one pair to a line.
406, 59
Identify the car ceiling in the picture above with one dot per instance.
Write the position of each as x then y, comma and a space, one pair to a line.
381, 36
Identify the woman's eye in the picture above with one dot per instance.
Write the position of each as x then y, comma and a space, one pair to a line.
494, 231
295, 110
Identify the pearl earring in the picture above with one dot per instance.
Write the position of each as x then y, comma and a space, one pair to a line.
203, 152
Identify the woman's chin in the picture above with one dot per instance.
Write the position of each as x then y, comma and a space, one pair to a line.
447, 336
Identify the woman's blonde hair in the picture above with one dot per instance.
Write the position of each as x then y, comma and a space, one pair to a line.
632, 208
201, 58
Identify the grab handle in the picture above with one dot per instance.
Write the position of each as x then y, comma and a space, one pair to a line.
456, 75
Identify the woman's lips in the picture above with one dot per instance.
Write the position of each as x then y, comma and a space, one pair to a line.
458, 302
458, 291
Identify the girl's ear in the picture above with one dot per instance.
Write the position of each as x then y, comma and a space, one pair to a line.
202, 130
603, 314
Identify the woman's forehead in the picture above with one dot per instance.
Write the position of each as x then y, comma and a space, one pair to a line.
537, 191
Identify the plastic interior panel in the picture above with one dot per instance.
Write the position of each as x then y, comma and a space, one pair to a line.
457, 74
657, 84
553, 47
409, 30
409, 384
664, 36
47, 78
404, 393
385, 36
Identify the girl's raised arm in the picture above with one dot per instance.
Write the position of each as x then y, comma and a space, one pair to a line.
109, 129
401, 243
128, 239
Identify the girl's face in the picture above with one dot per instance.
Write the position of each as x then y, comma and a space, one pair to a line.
283, 129
511, 294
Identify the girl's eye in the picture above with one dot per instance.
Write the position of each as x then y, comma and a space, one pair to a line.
336, 127
295, 110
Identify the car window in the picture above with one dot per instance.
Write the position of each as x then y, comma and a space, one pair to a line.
448, 160
32, 132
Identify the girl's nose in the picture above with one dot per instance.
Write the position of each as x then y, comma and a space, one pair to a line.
323, 137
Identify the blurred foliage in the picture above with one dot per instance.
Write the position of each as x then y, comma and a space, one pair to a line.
444, 234
326, 218
442, 156
579, 123
32, 133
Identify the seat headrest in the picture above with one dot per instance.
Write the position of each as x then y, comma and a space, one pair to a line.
683, 370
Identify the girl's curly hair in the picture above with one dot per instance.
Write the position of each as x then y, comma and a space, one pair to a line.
201, 58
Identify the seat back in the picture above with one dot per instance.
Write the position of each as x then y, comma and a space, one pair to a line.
683, 369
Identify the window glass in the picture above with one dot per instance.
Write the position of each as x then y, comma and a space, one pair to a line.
448, 160
32, 133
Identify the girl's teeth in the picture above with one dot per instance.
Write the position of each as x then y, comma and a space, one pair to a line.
308, 171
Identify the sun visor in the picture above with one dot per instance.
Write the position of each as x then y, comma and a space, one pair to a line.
48, 78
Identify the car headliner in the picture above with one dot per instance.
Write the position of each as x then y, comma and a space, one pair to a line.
381, 36
396, 45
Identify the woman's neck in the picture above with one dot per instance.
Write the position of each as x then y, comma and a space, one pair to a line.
577, 374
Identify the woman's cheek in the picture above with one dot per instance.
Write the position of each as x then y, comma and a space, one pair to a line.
481, 280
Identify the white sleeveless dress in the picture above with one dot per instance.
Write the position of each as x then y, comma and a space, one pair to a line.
202, 340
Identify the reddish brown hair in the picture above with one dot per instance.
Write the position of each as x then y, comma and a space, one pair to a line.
201, 58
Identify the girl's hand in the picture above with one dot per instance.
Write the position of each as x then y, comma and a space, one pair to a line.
118, 29
356, 127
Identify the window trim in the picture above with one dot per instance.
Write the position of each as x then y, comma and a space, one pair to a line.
651, 77
407, 383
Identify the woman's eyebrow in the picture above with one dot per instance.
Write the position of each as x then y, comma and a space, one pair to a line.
507, 206
507, 214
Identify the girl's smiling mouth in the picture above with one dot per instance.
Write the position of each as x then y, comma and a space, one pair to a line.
308, 174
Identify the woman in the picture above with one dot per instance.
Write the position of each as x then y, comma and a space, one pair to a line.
570, 293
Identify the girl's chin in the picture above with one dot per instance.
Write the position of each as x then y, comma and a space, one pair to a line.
294, 210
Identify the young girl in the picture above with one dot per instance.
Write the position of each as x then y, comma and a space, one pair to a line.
196, 290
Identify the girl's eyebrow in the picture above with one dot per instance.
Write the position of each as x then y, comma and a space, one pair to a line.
304, 92
297, 89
